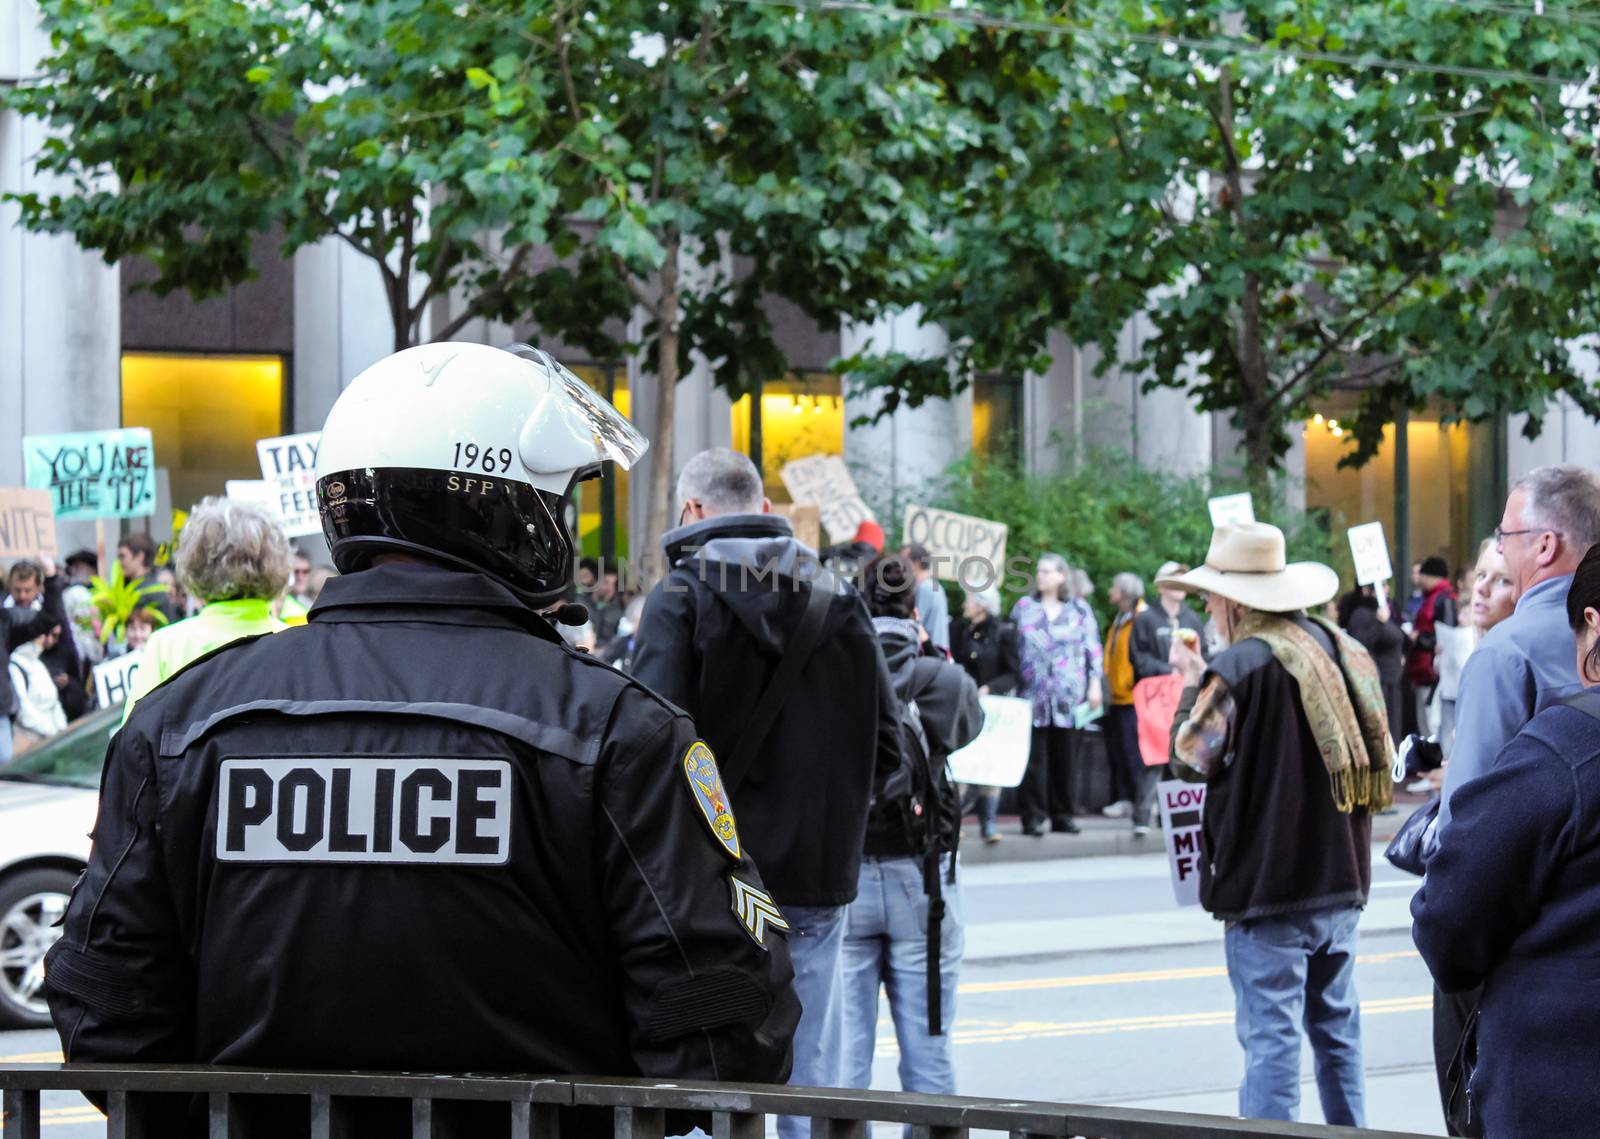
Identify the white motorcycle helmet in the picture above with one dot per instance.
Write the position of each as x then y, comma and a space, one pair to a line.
467, 454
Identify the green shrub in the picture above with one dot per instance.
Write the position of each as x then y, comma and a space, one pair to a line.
1107, 515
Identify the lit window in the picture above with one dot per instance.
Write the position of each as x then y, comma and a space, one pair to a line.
801, 414
205, 414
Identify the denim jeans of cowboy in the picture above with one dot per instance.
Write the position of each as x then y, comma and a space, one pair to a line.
1294, 972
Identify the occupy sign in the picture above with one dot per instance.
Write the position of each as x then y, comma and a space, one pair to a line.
1369, 550
967, 550
94, 474
1182, 808
289, 468
27, 525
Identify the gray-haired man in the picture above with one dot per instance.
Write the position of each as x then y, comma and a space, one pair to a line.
728, 625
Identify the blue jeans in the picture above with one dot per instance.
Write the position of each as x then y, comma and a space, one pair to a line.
816, 937
886, 946
1289, 971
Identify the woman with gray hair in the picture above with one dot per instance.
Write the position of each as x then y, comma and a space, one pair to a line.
985, 645
234, 561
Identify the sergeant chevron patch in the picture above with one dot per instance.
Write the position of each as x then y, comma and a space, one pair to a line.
755, 910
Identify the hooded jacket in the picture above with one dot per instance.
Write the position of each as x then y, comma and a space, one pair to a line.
952, 716
712, 634
19, 626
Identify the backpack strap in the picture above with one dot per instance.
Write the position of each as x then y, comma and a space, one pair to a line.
1587, 702
806, 638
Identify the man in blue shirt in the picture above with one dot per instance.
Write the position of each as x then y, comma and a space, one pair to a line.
1551, 519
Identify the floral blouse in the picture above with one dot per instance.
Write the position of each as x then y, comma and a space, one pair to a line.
1060, 659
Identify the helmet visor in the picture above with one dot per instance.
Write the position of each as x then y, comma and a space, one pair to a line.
589, 413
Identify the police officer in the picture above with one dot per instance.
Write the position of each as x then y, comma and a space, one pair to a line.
420, 831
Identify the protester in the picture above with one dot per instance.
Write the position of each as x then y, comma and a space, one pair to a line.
890, 940
1061, 669
300, 583
605, 606
83, 622
1415, 598
849, 558
20, 627
1289, 731
1521, 665
1438, 608
619, 654
320, 577
136, 554
571, 898
59, 655
782, 672
39, 714
234, 560
139, 626
1156, 626
1510, 906
986, 646
1371, 622
81, 567
1132, 784
931, 600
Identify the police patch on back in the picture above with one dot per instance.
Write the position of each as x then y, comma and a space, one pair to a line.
355, 809
705, 781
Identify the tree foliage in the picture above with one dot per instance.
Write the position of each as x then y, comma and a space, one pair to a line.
1394, 195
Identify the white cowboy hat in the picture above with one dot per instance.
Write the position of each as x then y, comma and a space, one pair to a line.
1247, 564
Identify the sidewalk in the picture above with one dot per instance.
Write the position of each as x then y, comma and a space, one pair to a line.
1101, 836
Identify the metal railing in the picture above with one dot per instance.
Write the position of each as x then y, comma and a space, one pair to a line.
531, 1107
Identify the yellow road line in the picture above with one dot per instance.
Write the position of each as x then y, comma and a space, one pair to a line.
32, 1058
1186, 974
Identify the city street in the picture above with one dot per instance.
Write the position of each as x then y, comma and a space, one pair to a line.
1084, 983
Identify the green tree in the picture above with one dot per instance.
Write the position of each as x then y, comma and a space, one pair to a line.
1388, 194
684, 161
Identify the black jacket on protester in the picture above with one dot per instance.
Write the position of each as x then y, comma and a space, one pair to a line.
712, 634
24, 625
988, 651
947, 704
419, 832
1152, 638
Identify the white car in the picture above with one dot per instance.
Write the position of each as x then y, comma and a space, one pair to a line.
48, 798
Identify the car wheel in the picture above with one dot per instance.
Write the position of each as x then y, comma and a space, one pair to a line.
31, 905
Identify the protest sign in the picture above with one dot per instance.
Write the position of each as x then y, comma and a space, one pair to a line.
94, 474
1231, 510
1155, 706
963, 549
999, 756
27, 524
1182, 805
289, 467
805, 520
824, 481
1370, 551
113, 679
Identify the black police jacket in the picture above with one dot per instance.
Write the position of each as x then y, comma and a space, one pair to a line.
712, 634
419, 832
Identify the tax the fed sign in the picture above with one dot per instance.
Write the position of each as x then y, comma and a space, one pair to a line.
94, 474
289, 468
1182, 807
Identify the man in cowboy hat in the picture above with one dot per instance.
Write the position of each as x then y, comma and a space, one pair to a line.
1288, 729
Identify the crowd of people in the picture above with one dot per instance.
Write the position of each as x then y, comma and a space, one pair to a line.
825, 702
233, 574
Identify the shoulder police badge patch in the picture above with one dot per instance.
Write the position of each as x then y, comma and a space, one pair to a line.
705, 782
755, 910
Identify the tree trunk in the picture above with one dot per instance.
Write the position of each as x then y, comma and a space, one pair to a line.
651, 555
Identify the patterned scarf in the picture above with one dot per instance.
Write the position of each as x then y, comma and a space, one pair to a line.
1352, 735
